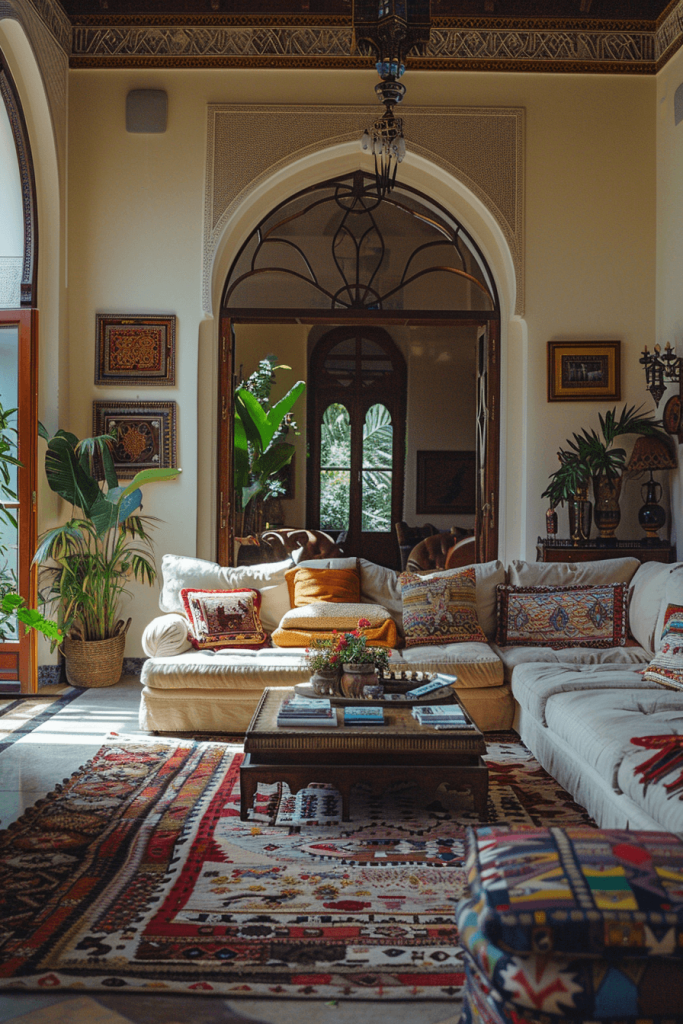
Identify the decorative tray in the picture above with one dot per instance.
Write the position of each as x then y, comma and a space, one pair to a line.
395, 688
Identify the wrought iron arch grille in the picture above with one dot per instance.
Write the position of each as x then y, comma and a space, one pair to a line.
337, 246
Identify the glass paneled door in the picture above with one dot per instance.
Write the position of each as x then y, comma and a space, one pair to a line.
357, 408
18, 391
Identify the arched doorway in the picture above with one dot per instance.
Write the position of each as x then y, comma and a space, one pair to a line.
335, 255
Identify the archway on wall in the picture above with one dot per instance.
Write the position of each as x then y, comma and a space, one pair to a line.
333, 255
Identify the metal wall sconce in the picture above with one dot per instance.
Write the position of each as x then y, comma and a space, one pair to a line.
661, 369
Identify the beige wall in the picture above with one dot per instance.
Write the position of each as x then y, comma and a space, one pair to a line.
670, 241
135, 237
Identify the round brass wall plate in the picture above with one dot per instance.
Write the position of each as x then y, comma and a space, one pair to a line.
672, 415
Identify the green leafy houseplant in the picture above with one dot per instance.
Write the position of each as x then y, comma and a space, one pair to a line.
330, 653
90, 561
588, 455
261, 451
12, 605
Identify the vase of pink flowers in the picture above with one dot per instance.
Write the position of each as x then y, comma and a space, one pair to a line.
344, 664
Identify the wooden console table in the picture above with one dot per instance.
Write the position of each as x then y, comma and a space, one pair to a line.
401, 750
551, 549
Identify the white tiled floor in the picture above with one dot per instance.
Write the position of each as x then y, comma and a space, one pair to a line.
29, 769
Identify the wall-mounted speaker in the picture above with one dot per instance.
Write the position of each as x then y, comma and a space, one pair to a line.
146, 111
678, 104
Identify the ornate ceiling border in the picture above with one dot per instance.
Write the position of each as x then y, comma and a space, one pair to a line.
246, 144
488, 44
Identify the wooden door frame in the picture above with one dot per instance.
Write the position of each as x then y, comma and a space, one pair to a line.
486, 518
25, 652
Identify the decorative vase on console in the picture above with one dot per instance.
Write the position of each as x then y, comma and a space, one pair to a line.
580, 515
606, 491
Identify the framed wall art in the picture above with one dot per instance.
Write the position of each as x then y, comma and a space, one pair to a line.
445, 483
135, 350
146, 434
584, 371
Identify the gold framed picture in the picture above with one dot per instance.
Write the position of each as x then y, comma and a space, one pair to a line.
584, 371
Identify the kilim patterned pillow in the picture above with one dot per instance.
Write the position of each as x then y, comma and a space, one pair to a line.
578, 890
562, 616
440, 609
224, 618
667, 665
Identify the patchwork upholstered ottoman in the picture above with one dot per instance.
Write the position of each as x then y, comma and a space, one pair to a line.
573, 924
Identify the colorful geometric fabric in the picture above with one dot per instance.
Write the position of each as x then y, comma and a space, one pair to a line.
440, 609
562, 616
612, 989
224, 618
668, 759
137, 875
579, 891
666, 667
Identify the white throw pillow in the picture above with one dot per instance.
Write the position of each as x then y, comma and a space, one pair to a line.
673, 594
647, 595
180, 571
165, 636
572, 574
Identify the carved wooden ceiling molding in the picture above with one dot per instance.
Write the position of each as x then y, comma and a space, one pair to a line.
246, 144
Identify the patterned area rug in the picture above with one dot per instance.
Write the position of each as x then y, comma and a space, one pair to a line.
137, 875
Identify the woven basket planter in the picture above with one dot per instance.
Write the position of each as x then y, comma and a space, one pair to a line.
95, 663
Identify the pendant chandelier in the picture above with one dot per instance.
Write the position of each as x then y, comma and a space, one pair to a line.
389, 30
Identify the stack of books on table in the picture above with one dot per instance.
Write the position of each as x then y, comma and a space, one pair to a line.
363, 716
297, 711
443, 716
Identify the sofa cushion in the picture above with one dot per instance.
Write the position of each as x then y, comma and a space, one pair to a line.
577, 891
223, 618
659, 803
599, 725
673, 594
572, 574
645, 598
332, 615
382, 586
666, 667
440, 609
308, 585
576, 616
166, 635
534, 685
180, 571
226, 670
512, 657
473, 664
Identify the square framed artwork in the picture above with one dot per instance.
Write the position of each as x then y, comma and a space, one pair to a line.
146, 434
584, 371
135, 350
446, 483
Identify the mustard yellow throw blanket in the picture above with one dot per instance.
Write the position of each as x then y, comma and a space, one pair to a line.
384, 635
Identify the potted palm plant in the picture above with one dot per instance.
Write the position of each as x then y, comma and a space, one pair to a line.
590, 456
88, 563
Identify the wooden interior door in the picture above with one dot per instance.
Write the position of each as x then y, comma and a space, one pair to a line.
225, 525
488, 441
19, 390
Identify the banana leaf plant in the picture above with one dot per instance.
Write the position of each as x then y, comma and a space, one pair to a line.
260, 451
89, 563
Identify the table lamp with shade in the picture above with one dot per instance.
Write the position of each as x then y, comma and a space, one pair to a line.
650, 454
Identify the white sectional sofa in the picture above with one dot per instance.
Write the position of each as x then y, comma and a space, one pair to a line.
577, 709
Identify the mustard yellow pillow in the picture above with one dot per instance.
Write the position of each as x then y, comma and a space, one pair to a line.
307, 586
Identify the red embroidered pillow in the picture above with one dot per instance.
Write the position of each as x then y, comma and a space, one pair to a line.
562, 616
224, 618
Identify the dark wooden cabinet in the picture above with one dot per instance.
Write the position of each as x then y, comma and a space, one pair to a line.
551, 549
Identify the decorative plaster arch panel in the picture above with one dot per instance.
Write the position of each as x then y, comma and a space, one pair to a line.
479, 150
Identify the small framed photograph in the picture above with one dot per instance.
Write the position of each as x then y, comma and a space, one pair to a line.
584, 371
446, 483
146, 434
134, 351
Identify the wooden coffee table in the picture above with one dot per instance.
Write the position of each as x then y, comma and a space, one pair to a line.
401, 750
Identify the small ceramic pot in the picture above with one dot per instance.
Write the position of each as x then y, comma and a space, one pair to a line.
325, 684
356, 677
